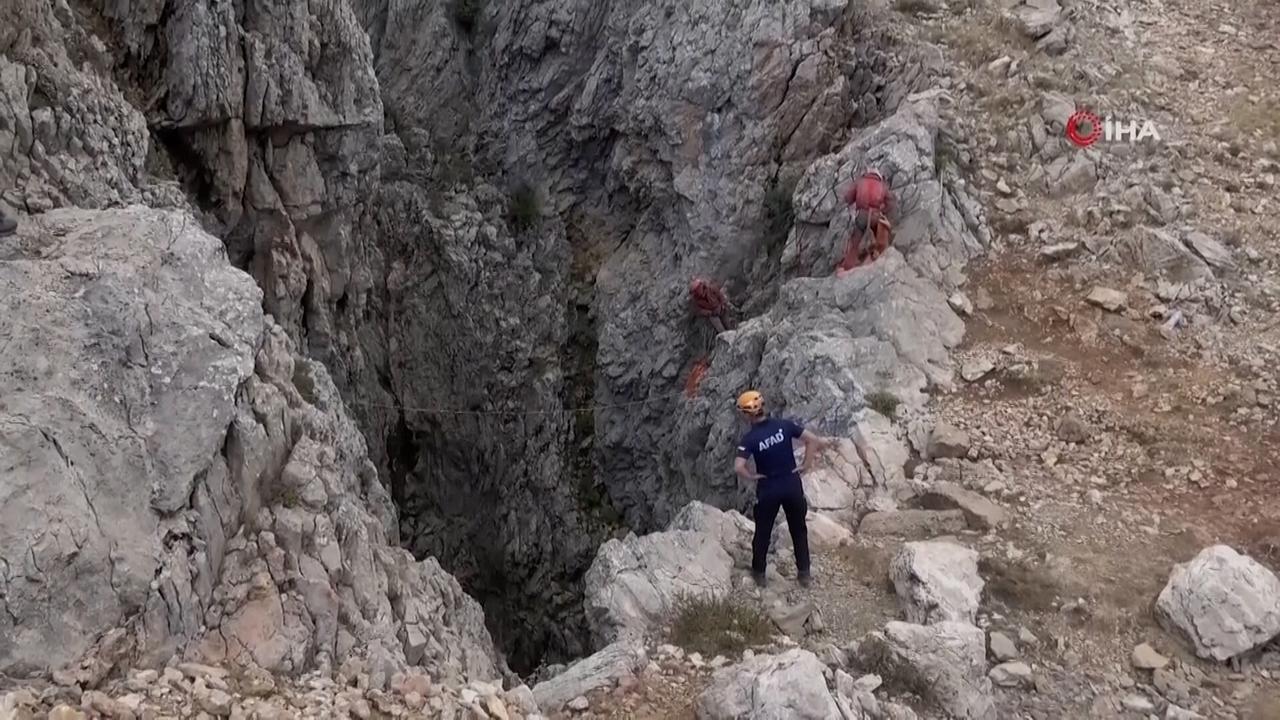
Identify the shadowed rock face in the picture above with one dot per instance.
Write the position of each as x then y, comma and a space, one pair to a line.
178, 478
359, 160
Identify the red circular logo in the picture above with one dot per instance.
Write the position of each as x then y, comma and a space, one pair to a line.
1076, 125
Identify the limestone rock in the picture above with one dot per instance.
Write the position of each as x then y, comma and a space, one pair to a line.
1071, 174
946, 660
600, 670
947, 441
1108, 299
769, 687
1211, 251
1036, 18
975, 370
1003, 648
1145, 657
635, 582
152, 411
1073, 429
981, 513
1222, 603
1011, 674
844, 331
937, 582
1160, 253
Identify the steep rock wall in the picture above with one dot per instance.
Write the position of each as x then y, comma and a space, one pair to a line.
179, 481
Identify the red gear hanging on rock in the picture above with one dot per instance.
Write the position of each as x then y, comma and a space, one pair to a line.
709, 302
869, 194
858, 251
870, 200
695, 377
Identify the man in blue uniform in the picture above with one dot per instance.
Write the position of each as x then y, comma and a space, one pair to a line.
778, 485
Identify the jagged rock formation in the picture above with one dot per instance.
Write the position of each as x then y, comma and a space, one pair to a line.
368, 181
179, 479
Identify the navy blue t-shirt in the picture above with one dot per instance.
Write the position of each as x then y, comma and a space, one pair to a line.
769, 443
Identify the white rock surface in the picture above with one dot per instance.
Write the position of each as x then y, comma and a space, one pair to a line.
946, 660
177, 478
937, 581
1222, 603
635, 582
789, 686
599, 670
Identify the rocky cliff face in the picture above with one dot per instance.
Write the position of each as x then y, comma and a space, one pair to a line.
178, 478
482, 217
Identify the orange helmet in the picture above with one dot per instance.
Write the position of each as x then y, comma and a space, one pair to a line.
751, 402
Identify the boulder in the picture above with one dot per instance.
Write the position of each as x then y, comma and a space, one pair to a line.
634, 583
1036, 18
1011, 674
1145, 657
600, 670
1108, 299
946, 661
1211, 251
1159, 252
1002, 646
937, 582
947, 441
981, 513
789, 686
1222, 603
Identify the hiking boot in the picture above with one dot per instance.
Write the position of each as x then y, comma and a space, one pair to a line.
760, 579
8, 225
805, 580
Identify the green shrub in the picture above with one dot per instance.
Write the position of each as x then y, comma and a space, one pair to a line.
524, 212
719, 626
884, 402
914, 7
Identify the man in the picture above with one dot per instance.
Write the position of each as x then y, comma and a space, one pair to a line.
709, 302
769, 443
870, 200
8, 225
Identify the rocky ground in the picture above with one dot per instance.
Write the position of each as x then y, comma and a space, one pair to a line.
1112, 416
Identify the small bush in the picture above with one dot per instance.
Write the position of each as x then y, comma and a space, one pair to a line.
524, 212
779, 212
288, 497
915, 7
884, 402
946, 156
467, 14
719, 626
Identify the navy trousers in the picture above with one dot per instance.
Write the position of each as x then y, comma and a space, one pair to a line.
788, 494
